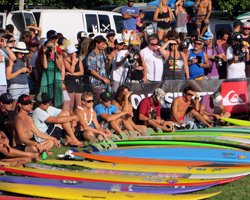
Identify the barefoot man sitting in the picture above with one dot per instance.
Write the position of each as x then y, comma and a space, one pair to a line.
93, 131
185, 109
25, 129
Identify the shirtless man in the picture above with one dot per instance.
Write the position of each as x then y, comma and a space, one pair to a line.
10, 156
25, 129
93, 131
182, 104
204, 8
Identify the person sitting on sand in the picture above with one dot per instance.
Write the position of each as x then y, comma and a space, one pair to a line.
92, 130
185, 109
26, 129
54, 122
109, 116
150, 111
10, 156
122, 100
212, 109
7, 115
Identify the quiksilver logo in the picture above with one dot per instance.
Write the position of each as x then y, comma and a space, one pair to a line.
232, 99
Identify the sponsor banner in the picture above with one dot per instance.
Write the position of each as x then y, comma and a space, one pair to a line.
235, 96
174, 88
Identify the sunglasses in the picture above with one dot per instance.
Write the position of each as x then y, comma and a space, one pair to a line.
153, 44
7, 103
188, 94
106, 100
89, 101
246, 29
11, 41
198, 43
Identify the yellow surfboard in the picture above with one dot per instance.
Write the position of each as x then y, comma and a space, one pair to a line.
87, 176
150, 168
67, 193
238, 122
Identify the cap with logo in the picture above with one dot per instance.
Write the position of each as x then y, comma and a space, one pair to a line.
119, 41
105, 96
217, 98
6, 98
24, 99
43, 98
207, 36
246, 25
110, 33
82, 35
159, 94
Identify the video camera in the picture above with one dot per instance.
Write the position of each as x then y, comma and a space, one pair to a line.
238, 45
49, 51
132, 55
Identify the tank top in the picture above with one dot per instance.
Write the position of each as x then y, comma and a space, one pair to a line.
163, 15
181, 19
90, 122
77, 68
21, 78
195, 70
169, 69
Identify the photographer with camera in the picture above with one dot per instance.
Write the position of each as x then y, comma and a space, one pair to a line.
127, 65
52, 62
197, 60
215, 55
237, 54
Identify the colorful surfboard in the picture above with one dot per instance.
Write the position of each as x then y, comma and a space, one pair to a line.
102, 186
118, 179
84, 194
182, 153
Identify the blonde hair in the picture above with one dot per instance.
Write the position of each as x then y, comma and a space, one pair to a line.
160, 6
85, 95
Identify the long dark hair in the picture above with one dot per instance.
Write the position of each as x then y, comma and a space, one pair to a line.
119, 95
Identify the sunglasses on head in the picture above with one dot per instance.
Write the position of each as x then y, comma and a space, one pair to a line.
89, 101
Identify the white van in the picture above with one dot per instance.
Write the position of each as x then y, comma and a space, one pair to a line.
70, 22
19, 19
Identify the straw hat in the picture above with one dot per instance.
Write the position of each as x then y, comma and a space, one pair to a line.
20, 48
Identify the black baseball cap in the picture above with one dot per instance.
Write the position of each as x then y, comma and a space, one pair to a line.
43, 98
24, 99
105, 96
6, 98
52, 34
110, 32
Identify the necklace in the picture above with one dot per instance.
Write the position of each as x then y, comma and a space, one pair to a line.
91, 117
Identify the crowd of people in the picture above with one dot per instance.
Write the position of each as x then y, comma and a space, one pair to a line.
80, 89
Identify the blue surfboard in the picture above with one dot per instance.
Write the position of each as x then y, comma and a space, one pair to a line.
182, 153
